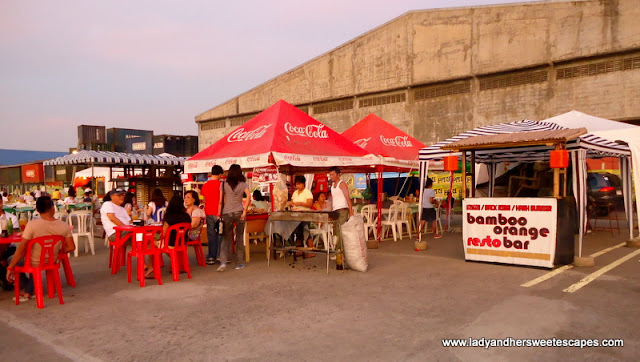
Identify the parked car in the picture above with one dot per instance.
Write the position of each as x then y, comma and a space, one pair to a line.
605, 189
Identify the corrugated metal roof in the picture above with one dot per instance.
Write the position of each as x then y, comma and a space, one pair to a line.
19, 157
516, 139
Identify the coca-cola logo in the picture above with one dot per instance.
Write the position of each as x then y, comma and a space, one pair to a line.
253, 158
292, 158
311, 131
320, 159
231, 161
210, 163
240, 134
363, 142
30, 173
344, 159
398, 141
192, 165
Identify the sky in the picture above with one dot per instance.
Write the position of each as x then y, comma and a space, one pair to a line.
157, 64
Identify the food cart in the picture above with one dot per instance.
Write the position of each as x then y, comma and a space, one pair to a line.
541, 225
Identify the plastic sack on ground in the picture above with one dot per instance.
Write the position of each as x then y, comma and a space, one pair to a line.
354, 244
280, 195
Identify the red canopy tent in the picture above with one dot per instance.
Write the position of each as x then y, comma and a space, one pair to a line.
397, 150
285, 136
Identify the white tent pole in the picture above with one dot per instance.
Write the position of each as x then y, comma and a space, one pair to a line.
424, 168
577, 192
626, 192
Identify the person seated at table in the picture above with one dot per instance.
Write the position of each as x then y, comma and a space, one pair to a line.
87, 197
55, 195
158, 201
4, 196
192, 203
71, 196
260, 205
322, 204
28, 197
6, 250
131, 205
47, 224
176, 213
301, 200
113, 214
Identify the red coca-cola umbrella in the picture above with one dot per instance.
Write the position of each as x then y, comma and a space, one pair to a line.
398, 150
379, 137
281, 135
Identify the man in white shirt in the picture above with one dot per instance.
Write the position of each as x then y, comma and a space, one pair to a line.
113, 214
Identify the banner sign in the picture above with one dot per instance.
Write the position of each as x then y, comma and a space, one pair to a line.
510, 230
265, 174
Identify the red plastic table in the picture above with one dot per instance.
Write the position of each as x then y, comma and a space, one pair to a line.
120, 244
11, 239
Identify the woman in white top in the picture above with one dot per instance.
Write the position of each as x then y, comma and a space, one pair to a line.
71, 196
192, 203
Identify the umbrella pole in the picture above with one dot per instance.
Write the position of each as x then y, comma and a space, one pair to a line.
449, 200
379, 202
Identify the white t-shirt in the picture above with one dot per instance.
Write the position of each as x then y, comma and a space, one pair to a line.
70, 200
120, 213
152, 206
427, 194
28, 198
303, 196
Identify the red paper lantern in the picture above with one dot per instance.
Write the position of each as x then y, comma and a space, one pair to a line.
559, 159
450, 163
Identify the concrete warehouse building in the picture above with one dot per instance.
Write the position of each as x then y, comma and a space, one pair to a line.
436, 73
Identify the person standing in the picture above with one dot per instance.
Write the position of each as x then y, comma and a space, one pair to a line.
234, 212
45, 225
428, 208
340, 203
212, 193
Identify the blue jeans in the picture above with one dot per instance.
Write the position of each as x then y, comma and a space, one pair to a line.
26, 283
229, 220
212, 236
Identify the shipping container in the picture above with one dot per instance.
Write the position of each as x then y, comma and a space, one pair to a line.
91, 134
139, 145
94, 146
117, 139
190, 146
158, 144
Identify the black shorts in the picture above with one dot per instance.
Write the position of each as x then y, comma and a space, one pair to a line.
428, 214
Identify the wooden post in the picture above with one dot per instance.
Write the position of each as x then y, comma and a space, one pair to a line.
556, 178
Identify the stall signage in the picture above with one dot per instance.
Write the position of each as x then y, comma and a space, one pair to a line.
240, 135
510, 230
265, 174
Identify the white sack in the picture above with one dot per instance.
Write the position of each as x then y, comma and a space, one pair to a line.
354, 244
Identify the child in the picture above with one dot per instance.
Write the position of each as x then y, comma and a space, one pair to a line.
428, 208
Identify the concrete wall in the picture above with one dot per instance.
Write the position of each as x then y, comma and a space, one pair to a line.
485, 47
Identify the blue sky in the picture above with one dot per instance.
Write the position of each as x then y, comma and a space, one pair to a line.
157, 64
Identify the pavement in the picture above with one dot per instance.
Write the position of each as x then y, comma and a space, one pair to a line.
400, 309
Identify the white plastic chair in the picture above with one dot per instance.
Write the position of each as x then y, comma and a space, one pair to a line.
391, 221
328, 240
403, 219
370, 215
84, 228
61, 215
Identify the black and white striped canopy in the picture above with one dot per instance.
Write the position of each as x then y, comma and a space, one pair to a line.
87, 157
594, 145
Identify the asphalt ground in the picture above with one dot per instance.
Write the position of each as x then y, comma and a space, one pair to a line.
400, 309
